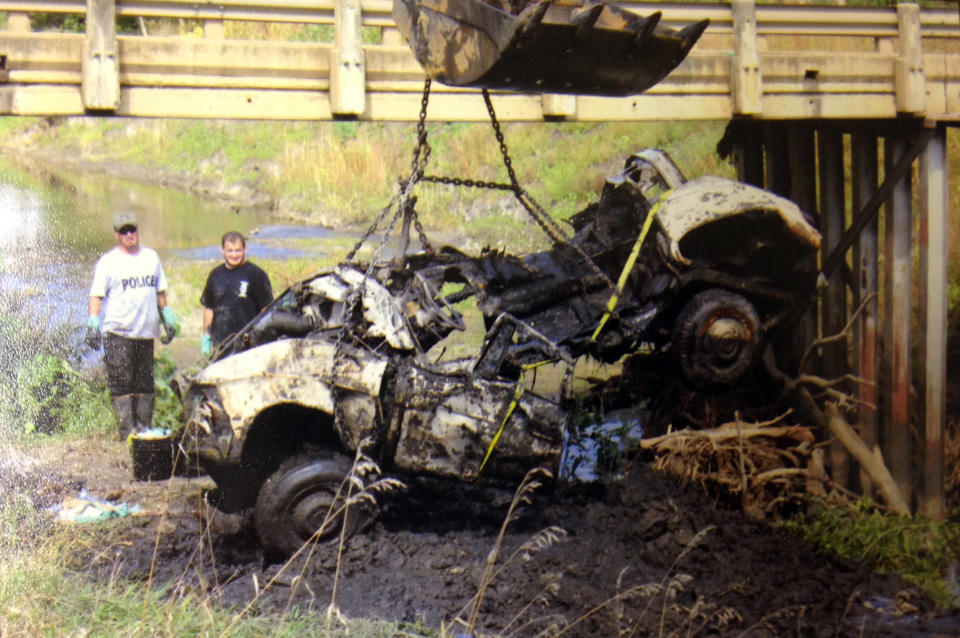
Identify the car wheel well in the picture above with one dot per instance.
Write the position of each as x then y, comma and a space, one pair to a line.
278, 433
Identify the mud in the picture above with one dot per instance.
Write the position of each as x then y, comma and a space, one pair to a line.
641, 556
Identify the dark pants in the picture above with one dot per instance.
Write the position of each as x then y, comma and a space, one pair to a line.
129, 365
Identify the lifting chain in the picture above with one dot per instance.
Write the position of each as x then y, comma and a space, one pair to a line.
421, 156
534, 209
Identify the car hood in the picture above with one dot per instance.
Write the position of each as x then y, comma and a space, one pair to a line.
708, 199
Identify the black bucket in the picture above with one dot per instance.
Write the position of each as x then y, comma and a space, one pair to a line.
152, 458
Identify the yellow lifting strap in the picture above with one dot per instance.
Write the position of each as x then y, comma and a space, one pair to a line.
517, 394
628, 266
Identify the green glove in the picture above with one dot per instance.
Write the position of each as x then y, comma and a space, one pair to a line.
206, 346
170, 320
170, 325
93, 332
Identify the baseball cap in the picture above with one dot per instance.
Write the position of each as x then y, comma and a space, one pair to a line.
124, 218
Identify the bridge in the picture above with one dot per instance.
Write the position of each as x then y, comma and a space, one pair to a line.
762, 61
835, 107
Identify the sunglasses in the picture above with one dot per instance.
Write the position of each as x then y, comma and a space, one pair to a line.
126, 230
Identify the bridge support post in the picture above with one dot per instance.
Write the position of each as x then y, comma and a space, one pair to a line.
347, 71
934, 204
100, 66
803, 191
897, 291
834, 299
884, 360
866, 287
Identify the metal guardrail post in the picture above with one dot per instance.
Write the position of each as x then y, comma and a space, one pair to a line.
909, 79
347, 72
558, 106
18, 22
746, 81
100, 66
213, 29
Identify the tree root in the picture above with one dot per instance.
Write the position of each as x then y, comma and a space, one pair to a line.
773, 466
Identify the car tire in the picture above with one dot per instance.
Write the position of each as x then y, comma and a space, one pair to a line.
716, 338
296, 500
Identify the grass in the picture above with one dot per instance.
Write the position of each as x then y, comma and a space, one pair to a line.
343, 173
40, 594
917, 548
48, 587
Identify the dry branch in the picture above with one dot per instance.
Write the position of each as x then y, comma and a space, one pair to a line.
871, 461
833, 421
723, 433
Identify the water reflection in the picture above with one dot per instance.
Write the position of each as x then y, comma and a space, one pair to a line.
70, 213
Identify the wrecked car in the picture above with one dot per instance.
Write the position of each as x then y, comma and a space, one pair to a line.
352, 358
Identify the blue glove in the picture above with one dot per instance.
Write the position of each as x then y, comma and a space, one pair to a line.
93, 332
206, 346
170, 325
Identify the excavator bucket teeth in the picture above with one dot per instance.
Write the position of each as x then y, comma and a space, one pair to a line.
595, 48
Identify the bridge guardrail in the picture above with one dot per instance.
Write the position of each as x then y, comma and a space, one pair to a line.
836, 20
909, 64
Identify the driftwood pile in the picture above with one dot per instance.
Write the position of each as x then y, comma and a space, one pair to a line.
769, 466
775, 466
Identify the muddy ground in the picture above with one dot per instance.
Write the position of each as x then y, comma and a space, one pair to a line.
622, 548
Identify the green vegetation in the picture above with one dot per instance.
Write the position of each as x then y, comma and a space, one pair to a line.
918, 548
52, 397
344, 173
42, 594
167, 410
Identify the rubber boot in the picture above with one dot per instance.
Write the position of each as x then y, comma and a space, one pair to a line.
123, 410
143, 412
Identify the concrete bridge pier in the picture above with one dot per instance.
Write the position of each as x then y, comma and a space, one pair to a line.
860, 179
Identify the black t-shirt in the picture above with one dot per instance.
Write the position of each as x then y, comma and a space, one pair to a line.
235, 295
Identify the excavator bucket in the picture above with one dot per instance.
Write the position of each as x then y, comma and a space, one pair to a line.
593, 48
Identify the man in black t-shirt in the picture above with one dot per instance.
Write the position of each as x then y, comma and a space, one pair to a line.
235, 292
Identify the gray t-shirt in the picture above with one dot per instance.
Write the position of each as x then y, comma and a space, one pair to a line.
129, 285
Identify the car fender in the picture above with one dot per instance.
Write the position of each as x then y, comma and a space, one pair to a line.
300, 371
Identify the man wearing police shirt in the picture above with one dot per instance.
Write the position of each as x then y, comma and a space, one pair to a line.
130, 290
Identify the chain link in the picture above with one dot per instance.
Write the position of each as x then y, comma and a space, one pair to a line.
540, 216
421, 154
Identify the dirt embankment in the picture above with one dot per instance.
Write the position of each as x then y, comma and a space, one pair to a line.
643, 556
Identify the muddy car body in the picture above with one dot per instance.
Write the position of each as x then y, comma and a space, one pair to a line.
706, 269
